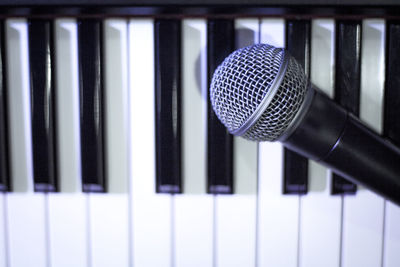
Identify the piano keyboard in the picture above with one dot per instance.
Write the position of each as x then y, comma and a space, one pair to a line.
110, 155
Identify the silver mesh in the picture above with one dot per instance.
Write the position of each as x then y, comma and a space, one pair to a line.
242, 81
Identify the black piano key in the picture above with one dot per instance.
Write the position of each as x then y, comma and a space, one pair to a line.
347, 83
41, 56
391, 125
220, 35
168, 105
4, 167
91, 105
348, 65
296, 166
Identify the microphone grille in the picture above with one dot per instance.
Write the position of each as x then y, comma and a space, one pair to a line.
245, 79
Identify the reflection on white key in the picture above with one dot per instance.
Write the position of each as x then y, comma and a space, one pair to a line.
363, 213
151, 212
25, 211
320, 220
194, 208
236, 214
278, 215
68, 209
111, 246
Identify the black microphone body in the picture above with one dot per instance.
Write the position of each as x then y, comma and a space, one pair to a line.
332, 136
261, 93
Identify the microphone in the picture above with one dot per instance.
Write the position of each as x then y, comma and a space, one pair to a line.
261, 93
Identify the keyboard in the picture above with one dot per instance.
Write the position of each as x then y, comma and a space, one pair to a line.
110, 154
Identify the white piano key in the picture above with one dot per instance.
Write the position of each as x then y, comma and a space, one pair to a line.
68, 213
235, 215
115, 39
151, 212
19, 107
362, 229
323, 55
26, 212
68, 230
278, 214
392, 236
194, 240
272, 31
320, 220
372, 73
363, 214
3, 232
109, 229
236, 230
68, 129
27, 230
112, 247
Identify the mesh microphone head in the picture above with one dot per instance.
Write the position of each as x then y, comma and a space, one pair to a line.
257, 91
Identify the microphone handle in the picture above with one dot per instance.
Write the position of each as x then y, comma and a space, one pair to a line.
330, 135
